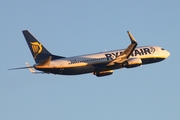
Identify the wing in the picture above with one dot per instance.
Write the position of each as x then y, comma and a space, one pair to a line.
127, 52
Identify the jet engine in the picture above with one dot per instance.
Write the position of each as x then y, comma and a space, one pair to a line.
103, 73
132, 62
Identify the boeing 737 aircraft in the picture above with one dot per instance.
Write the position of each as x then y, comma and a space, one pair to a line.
99, 64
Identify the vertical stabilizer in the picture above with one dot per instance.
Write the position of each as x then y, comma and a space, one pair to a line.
39, 52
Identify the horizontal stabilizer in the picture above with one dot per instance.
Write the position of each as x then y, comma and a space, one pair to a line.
21, 68
30, 68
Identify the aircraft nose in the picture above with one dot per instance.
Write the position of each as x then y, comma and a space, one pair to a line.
167, 54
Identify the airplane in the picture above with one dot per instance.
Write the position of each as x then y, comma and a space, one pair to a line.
99, 64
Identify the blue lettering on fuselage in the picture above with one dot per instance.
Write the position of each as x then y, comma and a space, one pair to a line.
136, 52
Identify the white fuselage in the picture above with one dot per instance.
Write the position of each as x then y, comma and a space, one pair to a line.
148, 54
105, 57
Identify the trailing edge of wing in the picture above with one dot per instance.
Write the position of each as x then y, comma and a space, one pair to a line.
127, 52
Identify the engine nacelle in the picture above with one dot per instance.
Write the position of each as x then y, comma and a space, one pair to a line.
103, 73
133, 62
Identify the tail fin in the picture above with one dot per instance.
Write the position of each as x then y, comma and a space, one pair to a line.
39, 52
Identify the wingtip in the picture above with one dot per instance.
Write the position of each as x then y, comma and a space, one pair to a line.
131, 37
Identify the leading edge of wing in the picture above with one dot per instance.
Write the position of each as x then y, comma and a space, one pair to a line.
127, 52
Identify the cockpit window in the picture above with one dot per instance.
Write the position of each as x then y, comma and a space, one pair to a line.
162, 49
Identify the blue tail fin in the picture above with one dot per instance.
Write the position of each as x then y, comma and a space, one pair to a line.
39, 52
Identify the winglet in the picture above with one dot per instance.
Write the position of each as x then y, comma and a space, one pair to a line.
131, 37
127, 52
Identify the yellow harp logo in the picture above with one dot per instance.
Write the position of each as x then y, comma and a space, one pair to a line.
37, 48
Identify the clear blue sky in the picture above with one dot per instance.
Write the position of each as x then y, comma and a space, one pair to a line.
76, 27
